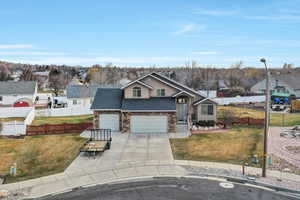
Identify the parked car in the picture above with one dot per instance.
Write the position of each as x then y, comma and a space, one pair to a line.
59, 102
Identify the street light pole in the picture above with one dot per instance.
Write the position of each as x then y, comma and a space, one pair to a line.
266, 128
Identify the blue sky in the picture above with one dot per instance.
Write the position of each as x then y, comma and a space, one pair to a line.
143, 33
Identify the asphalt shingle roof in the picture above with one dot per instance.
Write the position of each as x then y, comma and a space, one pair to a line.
154, 103
290, 79
83, 91
108, 98
20, 87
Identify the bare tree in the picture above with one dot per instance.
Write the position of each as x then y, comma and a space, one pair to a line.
57, 81
227, 117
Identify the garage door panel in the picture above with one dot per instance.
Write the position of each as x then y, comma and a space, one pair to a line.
109, 121
149, 124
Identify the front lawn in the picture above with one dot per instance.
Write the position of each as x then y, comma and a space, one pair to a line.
234, 146
61, 120
276, 119
38, 156
287, 119
243, 112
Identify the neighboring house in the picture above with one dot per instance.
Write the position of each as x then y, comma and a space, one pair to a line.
42, 78
18, 94
82, 95
280, 85
150, 104
208, 93
16, 75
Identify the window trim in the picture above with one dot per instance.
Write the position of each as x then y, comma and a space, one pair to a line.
161, 92
206, 110
136, 91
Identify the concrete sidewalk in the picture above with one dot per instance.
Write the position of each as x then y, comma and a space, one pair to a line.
136, 156
64, 182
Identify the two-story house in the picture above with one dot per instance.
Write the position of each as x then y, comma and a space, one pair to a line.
151, 104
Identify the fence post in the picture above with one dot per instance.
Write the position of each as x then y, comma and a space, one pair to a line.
46, 129
64, 128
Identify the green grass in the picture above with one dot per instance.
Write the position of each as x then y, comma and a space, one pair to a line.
234, 146
38, 156
61, 120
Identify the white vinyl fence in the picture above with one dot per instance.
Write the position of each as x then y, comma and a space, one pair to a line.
16, 127
6, 112
13, 128
61, 112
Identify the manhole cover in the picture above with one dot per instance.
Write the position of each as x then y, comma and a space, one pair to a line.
226, 185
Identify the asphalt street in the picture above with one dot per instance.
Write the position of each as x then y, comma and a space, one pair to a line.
171, 189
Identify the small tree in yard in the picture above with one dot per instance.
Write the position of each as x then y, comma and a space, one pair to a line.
227, 117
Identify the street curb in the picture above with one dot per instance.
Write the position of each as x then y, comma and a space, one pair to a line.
241, 181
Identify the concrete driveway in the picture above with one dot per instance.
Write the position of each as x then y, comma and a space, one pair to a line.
126, 150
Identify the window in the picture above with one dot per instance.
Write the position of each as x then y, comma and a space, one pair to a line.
1, 98
207, 109
75, 102
182, 100
136, 92
160, 92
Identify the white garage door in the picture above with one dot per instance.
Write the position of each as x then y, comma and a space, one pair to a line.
149, 124
109, 121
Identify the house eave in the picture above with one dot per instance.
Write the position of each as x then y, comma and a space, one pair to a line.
148, 110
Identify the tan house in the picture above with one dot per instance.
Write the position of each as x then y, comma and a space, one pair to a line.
151, 104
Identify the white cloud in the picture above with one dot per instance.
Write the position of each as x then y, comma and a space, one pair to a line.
188, 28
16, 46
216, 13
31, 53
205, 53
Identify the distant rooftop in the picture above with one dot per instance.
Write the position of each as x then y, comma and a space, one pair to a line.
17, 88
85, 91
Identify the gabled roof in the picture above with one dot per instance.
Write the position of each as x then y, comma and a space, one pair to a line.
176, 84
167, 81
17, 88
290, 79
183, 92
206, 100
154, 103
108, 99
138, 82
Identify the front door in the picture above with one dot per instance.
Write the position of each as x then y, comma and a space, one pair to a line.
182, 109
182, 112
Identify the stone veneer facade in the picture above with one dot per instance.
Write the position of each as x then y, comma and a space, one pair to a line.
96, 117
125, 119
